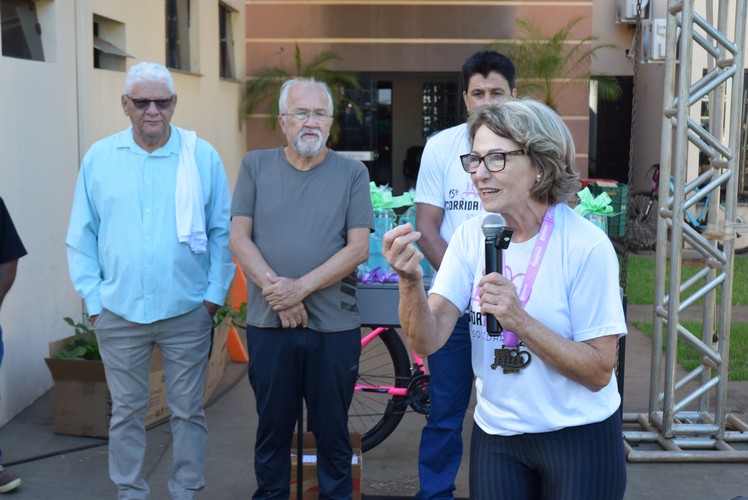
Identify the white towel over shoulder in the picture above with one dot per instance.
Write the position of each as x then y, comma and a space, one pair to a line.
190, 205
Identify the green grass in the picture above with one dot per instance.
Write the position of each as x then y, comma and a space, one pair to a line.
640, 282
640, 279
689, 359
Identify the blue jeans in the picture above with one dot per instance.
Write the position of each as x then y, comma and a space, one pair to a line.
440, 452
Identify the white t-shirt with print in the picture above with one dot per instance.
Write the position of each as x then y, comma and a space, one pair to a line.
576, 294
443, 182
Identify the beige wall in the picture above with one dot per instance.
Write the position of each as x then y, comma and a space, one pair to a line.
39, 145
412, 38
59, 107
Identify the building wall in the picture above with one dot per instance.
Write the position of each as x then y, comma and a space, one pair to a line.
647, 133
59, 107
417, 37
407, 37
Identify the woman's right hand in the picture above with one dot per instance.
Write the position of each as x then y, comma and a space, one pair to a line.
401, 253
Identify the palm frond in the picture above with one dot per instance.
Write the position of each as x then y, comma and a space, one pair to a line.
546, 63
264, 87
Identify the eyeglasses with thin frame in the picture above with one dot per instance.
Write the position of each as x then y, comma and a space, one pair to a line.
494, 162
143, 104
303, 115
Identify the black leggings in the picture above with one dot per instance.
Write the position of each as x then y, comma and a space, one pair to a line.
581, 463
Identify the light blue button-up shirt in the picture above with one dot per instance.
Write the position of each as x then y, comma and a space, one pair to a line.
122, 244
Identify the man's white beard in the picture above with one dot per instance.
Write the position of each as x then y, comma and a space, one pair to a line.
306, 149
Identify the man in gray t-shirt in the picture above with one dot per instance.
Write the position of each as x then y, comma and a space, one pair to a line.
301, 218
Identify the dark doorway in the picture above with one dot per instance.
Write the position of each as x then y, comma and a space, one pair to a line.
610, 135
367, 135
398, 112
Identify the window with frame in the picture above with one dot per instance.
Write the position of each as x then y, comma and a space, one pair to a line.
108, 43
181, 33
439, 107
21, 30
226, 20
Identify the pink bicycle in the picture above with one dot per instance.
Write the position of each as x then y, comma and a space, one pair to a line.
388, 383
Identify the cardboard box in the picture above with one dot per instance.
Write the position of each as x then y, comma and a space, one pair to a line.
309, 468
83, 405
219, 359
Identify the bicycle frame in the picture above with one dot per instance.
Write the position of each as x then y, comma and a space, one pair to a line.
698, 223
385, 389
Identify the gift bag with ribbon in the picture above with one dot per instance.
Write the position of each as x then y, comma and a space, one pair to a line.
595, 208
383, 202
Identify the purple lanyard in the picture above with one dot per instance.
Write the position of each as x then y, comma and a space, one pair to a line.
538, 252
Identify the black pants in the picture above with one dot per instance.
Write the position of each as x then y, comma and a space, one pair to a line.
581, 463
286, 365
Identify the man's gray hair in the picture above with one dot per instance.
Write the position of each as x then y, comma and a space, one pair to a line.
148, 72
286, 87
543, 136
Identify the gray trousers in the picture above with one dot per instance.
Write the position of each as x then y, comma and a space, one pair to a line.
184, 342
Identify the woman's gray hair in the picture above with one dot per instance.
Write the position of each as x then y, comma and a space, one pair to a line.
544, 138
148, 72
286, 87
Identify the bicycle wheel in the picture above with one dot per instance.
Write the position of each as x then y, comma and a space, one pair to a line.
375, 414
641, 222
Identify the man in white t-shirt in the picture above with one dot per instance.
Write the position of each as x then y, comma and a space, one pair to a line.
445, 198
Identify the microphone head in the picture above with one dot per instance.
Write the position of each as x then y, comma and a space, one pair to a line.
492, 224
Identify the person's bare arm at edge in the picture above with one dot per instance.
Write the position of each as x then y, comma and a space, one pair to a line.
7, 277
428, 322
287, 292
257, 269
429, 221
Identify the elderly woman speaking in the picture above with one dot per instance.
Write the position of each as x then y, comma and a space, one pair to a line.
547, 420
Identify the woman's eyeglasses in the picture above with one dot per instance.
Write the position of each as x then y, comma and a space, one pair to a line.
494, 162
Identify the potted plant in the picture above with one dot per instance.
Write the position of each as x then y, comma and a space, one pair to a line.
83, 345
82, 403
547, 63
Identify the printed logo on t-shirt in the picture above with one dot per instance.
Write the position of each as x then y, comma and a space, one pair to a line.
477, 328
468, 200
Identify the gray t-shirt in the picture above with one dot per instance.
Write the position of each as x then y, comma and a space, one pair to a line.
300, 220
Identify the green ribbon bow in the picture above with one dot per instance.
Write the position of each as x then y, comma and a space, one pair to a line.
591, 204
382, 199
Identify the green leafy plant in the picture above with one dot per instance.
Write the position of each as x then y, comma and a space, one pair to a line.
545, 64
84, 346
264, 87
238, 318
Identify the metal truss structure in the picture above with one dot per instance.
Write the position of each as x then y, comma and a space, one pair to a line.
687, 419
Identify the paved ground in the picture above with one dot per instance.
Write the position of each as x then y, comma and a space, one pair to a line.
74, 468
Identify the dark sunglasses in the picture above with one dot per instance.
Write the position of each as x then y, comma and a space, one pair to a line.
143, 104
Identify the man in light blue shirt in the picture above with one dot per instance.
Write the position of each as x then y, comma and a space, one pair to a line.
148, 252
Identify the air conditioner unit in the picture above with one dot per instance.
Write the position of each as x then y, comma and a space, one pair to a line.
626, 11
654, 46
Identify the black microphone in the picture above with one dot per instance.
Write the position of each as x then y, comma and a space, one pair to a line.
498, 237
